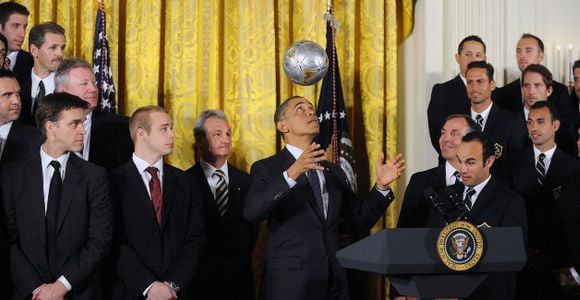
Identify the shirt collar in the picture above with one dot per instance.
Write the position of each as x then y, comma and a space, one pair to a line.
484, 114
295, 151
12, 57
48, 82
5, 129
45, 159
142, 165
548, 153
449, 170
478, 187
463, 79
209, 170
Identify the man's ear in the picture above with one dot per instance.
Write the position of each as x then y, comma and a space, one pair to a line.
556, 125
33, 51
281, 126
489, 162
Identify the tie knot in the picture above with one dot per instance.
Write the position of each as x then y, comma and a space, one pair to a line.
41, 85
470, 192
479, 120
456, 175
56, 165
541, 157
152, 170
219, 173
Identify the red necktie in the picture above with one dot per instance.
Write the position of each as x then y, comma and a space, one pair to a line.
156, 195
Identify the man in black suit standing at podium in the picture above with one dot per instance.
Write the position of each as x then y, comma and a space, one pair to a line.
451, 97
225, 270
490, 204
530, 50
303, 197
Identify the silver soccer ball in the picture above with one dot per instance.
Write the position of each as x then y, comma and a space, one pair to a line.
305, 62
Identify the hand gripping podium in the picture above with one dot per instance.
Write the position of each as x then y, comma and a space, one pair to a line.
409, 258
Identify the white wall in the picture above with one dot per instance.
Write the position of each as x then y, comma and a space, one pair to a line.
439, 27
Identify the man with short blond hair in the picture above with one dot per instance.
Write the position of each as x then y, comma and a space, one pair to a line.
160, 216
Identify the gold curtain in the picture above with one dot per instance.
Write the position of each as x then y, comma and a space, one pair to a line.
192, 55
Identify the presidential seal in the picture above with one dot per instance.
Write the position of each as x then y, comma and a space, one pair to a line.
460, 246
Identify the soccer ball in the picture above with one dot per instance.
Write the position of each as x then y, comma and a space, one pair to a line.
305, 62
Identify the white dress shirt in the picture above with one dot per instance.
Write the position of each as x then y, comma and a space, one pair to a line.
4, 131
212, 180
484, 114
477, 189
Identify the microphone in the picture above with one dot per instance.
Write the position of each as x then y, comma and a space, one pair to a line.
430, 195
453, 196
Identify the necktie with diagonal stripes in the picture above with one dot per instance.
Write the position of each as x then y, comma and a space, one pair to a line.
470, 192
221, 193
541, 169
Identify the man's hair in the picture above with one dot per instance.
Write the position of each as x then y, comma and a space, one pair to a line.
37, 35
576, 65
552, 108
9, 8
481, 65
543, 71
471, 125
199, 126
281, 109
53, 105
7, 74
141, 119
538, 40
470, 38
484, 141
61, 75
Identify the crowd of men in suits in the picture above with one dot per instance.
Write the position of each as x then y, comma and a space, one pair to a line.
525, 172
89, 209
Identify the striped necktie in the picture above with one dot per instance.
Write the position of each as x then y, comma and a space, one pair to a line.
541, 169
221, 193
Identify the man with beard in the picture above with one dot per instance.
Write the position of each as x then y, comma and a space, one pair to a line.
47, 43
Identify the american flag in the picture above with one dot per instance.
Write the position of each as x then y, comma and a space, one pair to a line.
102, 64
331, 112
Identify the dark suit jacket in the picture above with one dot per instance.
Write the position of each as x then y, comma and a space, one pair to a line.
111, 143
84, 227
508, 133
147, 251
510, 97
568, 210
26, 116
226, 264
415, 209
24, 64
496, 206
446, 99
302, 244
544, 237
22, 142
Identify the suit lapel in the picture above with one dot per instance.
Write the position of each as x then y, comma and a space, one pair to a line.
136, 185
169, 183
482, 199
302, 184
205, 190
69, 186
36, 195
492, 120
